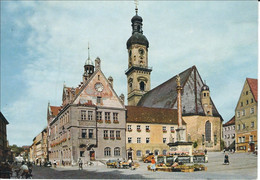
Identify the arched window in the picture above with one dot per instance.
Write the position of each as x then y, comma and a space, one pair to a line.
164, 152
208, 131
138, 153
156, 152
107, 151
117, 151
147, 151
142, 86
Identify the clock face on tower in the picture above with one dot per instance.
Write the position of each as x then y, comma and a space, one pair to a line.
99, 87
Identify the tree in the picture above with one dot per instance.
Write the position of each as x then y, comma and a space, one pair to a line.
16, 150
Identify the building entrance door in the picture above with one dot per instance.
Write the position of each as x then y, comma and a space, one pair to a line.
92, 155
129, 155
252, 147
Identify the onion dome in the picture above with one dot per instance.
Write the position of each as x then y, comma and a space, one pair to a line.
137, 32
205, 88
136, 18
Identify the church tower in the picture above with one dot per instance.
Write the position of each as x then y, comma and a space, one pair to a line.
138, 72
205, 100
88, 68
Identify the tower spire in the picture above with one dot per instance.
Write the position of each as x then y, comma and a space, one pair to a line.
88, 51
136, 8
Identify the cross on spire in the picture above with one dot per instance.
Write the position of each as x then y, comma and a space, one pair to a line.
88, 51
136, 8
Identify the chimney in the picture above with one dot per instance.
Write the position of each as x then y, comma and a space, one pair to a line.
97, 63
110, 80
122, 97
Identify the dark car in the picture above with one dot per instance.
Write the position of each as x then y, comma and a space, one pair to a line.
47, 164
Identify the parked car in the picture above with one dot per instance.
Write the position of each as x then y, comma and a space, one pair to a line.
47, 164
111, 163
148, 158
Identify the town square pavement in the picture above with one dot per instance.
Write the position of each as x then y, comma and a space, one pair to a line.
242, 166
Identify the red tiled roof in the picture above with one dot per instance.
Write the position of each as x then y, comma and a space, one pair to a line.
253, 86
136, 114
55, 110
230, 122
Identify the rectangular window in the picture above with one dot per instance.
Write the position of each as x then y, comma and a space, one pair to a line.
246, 101
252, 110
203, 139
138, 128
129, 127
225, 136
147, 140
99, 115
243, 139
251, 138
244, 112
138, 140
246, 92
164, 140
115, 116
90, 133
129, 140
84, 133
90, 115
233, 127
252, 124
83, 115
118, 134
164, 128
112, 134
238, 114
244, 126
105, 133
99, 100
239, 139
147, 128
241, 104
81, 153
107, 116
238, 127
252, 100
172, 128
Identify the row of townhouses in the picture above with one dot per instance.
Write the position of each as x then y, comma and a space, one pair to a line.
240, 132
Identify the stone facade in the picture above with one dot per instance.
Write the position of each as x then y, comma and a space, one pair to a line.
246, 117
91, 122
229, 134
38, 150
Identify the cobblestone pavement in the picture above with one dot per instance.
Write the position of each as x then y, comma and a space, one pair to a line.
242, 166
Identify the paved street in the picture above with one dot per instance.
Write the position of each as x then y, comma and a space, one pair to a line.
242, 166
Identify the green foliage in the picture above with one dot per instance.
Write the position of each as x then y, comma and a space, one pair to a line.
195, 144
16, 150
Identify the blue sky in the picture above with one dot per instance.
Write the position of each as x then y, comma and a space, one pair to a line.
45, 43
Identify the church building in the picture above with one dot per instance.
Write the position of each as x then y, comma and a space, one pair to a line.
203, 121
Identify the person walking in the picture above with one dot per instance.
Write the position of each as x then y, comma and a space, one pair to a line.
118, 163
54, 163
153, 164
226, 160
80, 164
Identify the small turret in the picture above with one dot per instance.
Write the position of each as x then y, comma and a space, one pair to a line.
205, 100
110, 80
88, 68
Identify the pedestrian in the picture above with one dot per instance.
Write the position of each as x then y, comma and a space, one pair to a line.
205, 151
226, 160
24, 170
54, 163
63, 163
118, 163
80, 164
130, 163
153, 164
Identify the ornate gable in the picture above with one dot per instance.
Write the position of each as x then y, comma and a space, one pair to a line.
98, 92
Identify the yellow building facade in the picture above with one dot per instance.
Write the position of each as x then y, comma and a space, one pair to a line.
246, 117
149, 130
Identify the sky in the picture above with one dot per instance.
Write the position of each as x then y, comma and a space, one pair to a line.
45, 43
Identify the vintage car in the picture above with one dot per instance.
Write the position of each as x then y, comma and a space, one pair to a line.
148, 158
111, 163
